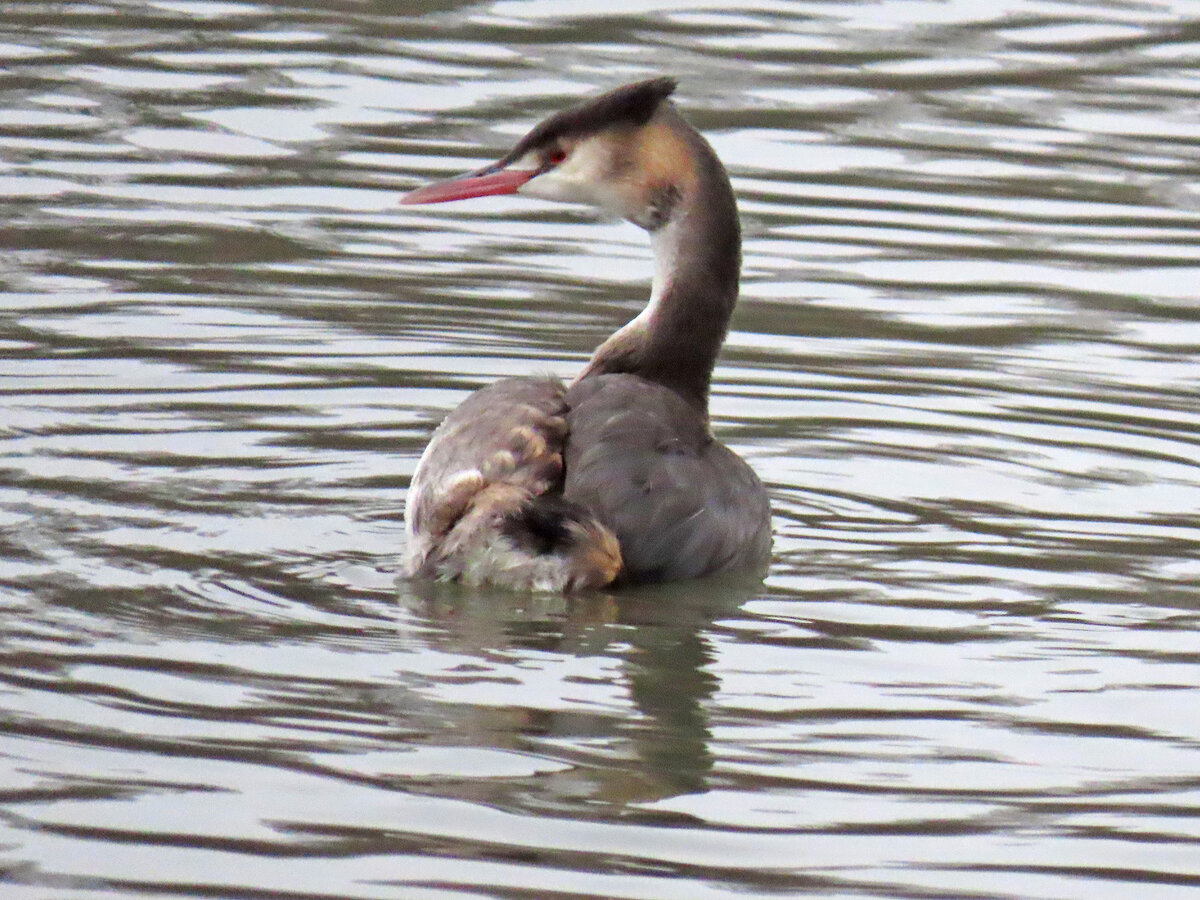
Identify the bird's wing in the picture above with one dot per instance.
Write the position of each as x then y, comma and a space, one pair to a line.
509, 433
644, 462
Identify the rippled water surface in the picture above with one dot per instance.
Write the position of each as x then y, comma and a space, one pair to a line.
965, 363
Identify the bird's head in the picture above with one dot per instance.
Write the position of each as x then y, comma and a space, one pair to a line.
623, 152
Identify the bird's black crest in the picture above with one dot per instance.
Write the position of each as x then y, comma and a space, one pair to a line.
631, 104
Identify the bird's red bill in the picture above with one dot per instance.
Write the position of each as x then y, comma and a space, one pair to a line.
505, 181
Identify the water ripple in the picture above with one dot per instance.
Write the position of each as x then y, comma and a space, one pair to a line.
964, 363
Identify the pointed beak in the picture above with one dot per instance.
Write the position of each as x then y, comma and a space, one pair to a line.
485, 182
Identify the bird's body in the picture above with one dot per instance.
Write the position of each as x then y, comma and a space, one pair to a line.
532, 484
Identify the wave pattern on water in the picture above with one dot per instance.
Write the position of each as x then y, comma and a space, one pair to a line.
965, 363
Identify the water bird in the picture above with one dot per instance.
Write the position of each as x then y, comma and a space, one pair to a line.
614, 478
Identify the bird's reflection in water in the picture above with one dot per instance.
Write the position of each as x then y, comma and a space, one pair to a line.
610, 689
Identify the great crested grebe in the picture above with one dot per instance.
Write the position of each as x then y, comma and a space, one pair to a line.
615, 478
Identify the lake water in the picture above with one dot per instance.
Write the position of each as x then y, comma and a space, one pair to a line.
966, 363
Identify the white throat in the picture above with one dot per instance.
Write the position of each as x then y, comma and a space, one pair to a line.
666, 244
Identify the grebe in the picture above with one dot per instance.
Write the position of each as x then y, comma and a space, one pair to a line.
615, 478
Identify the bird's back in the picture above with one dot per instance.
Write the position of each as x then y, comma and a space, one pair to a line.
642, 460
528, 484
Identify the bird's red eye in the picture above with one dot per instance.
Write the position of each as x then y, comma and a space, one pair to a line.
557, 155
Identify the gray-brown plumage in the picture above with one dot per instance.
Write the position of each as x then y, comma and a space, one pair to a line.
531, 484
486, 501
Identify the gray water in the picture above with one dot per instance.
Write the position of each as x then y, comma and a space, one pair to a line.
965, 363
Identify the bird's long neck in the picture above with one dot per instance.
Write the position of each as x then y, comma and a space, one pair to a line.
697, 258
